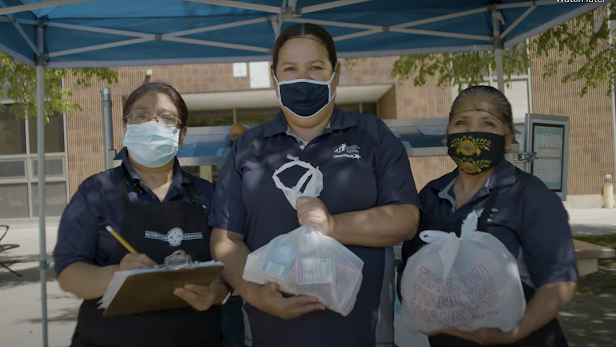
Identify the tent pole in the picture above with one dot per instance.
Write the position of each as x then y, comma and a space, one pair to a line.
40, 121
498, 50
107, 127
610, 25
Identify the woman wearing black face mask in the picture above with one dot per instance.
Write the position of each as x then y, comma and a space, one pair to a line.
368, 202
515, 207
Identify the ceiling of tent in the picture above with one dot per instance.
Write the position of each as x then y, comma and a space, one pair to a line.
87, 33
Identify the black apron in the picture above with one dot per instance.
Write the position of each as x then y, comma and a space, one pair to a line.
183, 327
550, 335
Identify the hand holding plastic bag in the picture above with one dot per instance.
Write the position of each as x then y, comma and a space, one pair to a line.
468, 283
304, 261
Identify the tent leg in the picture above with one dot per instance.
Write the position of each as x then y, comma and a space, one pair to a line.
613, 96
108, 127
40, 121
498, 54
498, 49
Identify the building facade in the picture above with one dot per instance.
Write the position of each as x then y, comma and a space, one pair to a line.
220, 94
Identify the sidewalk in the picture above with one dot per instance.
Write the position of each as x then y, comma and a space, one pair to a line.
20, 297
592, 221
589, 321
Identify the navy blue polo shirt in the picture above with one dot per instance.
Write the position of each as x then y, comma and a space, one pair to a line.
99, 201
363, 166
528, 218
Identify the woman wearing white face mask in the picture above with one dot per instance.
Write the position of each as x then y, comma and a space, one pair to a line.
368, 202
157, 208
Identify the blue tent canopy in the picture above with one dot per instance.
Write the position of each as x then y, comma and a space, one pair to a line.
87, 33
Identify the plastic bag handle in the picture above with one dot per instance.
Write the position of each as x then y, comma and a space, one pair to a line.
449, 250
313, 188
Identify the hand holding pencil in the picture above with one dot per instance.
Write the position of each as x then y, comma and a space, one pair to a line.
132, 260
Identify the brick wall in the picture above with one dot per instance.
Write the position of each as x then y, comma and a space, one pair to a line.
387, 105
591, 150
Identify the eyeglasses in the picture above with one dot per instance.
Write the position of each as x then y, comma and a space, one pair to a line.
139, 118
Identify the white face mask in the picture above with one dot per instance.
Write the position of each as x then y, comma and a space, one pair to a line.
152, 144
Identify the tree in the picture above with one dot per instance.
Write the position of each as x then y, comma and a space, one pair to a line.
580, 38
18, 83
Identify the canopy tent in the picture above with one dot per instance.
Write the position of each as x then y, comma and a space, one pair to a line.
88, 33
82, 33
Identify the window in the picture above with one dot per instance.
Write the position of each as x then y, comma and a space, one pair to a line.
53, 167
247, 116
210, 118
55, 198
12, 133
256, 116
54, 134
362, 107
11, 169
14, 201
19, 167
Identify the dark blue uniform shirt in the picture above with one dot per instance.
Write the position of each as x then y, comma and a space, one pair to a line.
363, 166
99, 201
528, 218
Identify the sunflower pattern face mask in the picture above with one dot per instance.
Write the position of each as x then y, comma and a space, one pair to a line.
476, 152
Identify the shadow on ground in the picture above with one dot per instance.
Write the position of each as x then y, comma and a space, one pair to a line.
30, 274
67, 315
590, 319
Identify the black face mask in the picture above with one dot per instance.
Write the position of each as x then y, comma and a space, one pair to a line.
475, 153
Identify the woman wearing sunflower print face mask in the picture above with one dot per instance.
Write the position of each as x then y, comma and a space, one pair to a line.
514, 206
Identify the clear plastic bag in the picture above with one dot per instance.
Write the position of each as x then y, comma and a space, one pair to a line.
304, 261
469, 283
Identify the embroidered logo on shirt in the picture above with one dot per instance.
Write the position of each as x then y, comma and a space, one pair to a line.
174, 236
344, 151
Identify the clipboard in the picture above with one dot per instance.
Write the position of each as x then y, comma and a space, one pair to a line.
147, 290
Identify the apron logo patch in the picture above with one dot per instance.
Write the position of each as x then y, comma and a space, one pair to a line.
174, 236
344, 151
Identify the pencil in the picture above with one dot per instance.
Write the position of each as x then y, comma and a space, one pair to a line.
121, 240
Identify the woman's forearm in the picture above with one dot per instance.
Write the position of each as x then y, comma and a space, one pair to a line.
230, 249
382, 226
548, 300
87, 281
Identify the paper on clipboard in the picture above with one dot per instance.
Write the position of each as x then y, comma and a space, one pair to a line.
146, 290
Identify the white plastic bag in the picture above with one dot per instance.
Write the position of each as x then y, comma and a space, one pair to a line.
304, 261
468, 283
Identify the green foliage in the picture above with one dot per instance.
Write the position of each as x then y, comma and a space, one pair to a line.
459, 69
605, 240
350, 63
18, 83
569, 43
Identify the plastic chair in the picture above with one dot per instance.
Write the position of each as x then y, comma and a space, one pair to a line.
6, 248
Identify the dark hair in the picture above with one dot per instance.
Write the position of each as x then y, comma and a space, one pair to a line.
159, 87
306, 30
496, 97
